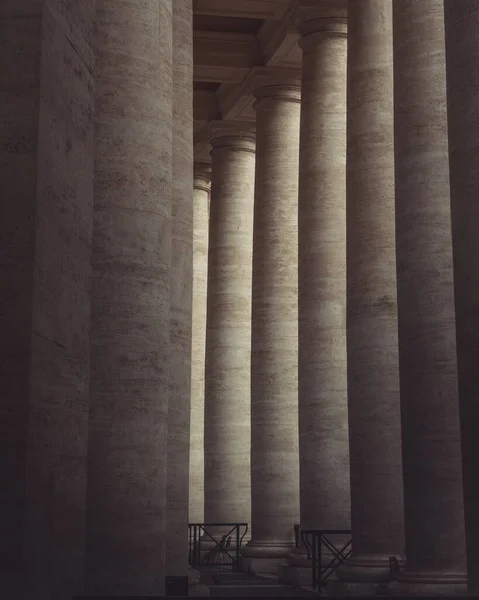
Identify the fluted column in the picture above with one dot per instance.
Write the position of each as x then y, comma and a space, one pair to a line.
433, 499
228, 329
274, 343
126, 526
377, 519
323, 417
462, 63
201, 186
181, 284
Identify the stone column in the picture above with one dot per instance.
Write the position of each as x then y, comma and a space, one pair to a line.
202, 179
228, 329
46, 212
462, 63
181, 284
323, 416
433, 498
274, 343
126, 525
377, 520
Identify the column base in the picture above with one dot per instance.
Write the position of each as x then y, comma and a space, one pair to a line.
340, 589
429, 584
267, 549
195, 587
262, 566
296, 576
265, 558
366, 569
298, 571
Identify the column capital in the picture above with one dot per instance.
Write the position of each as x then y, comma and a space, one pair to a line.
202, 176
275, 83
315, 19
236, 135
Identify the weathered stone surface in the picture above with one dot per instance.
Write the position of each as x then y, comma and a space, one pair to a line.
180, 291
126, 523
377, 520
228, 329
46, 174
202, 178
433, 499
462, 62
323, 416
274, 353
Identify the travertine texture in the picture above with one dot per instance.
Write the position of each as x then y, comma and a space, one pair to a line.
46, 183
433, 502
377, 520
181, 283
130, 300
323, 419
202, 178
462, 63
274, 335
228, 329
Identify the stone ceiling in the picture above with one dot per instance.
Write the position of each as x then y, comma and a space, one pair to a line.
235, 40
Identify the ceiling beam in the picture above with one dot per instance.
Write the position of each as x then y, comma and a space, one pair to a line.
249, 9
224, 57
205, 106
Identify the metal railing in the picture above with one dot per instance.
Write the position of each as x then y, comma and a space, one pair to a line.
226, 549
317, 542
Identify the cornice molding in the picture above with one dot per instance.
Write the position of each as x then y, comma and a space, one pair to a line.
261, 77
277, 40
219, 129
223, 56
320, 17
202, 176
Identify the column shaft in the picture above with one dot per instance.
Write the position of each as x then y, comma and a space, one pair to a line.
181, 282
274, 342
431, 443
46, 182
228, 330
462, 62
377, 519
131, 300
202, 179
323, 418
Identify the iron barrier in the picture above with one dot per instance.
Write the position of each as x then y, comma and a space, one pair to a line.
226, 548
316, 542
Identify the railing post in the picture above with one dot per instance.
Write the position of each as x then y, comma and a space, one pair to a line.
320, 565
237, 548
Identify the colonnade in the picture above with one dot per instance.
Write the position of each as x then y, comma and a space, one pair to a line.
342, 331
335, 335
